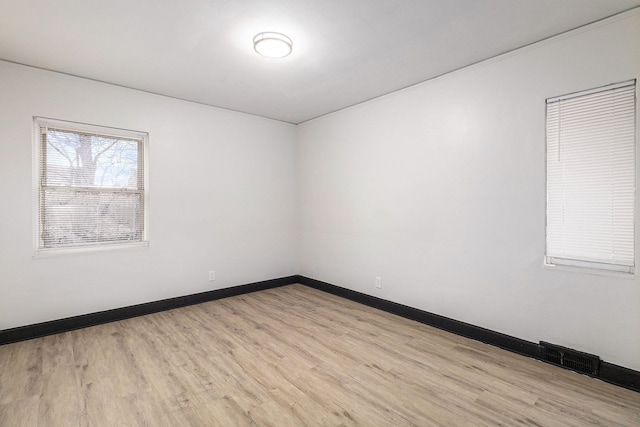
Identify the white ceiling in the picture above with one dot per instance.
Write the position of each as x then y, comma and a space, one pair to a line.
345, 51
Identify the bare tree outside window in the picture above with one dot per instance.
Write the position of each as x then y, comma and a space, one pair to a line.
91, 188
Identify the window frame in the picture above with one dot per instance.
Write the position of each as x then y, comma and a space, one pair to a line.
37, 191
587, 265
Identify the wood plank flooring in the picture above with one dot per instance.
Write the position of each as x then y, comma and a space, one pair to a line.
290, 356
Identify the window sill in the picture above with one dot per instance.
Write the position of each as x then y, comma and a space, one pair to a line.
47, 253
587, 270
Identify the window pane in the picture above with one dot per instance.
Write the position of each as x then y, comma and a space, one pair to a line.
91, 185
591, 178
83, 217
77, 159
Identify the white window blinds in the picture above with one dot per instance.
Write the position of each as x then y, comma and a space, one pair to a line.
591, 178
91, 185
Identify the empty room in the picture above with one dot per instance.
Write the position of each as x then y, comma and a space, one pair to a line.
319, 213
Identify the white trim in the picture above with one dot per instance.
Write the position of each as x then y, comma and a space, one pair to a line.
587, 270
145, 194
570, 243
61, 251
42, 122
84, 127
35, 186
629, 269
590, 91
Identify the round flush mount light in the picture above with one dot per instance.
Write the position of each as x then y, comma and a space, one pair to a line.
272, 45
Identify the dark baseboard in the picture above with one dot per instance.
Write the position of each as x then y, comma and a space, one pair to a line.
497, 339
608, 372
619, 375
76, 322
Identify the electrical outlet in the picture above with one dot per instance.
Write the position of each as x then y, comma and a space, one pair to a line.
212, 276
378, 282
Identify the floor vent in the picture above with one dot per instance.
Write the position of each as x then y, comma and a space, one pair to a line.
570, 359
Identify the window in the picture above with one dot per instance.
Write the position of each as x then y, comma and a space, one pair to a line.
591, 179
91, 186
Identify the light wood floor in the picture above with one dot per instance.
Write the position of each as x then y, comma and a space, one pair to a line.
290, 356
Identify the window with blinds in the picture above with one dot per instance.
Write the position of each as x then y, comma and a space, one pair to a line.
91, 186
591, 178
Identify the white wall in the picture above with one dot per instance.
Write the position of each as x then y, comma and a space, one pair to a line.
440, 189
222, 197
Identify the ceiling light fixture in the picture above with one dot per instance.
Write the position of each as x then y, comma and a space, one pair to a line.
272, 45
